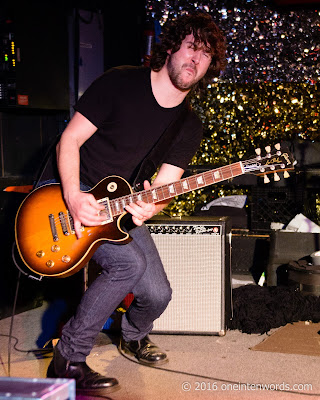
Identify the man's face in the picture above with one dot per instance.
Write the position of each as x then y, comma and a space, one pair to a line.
189, 64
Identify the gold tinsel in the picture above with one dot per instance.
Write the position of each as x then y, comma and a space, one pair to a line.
237, 118
269, 90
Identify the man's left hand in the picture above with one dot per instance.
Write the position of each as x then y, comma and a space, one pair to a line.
140, 210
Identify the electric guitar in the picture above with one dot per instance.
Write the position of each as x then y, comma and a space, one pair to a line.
44, 229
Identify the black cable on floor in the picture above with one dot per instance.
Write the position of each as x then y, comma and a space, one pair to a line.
46, 350
213, 378
20, 271
11, 323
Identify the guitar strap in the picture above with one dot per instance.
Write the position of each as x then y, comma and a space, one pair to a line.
157, 153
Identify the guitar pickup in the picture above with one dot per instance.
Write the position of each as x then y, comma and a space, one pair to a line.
107, 211
64, 225
53, 227
71, 223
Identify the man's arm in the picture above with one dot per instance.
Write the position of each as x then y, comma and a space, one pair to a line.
143, 211
83, 206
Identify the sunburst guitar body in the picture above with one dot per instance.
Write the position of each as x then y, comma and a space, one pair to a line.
44, 229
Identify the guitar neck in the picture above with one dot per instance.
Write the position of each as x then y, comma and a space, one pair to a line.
168, 191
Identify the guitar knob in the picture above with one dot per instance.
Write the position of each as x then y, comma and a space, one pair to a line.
40, 253
55, 248
65, 259
50, 263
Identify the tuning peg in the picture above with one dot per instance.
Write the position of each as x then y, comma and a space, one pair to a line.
277, 146
276, 177
286, 174
268, 149
258, 152
266, 179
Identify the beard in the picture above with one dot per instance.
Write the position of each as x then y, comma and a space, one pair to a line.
177, 75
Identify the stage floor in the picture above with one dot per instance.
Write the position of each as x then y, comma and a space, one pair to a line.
200, 367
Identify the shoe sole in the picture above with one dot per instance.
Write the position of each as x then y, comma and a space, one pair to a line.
102, 390
98, 391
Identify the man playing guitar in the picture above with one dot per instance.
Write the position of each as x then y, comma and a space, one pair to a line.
116, 123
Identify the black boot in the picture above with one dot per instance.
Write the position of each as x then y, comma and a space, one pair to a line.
144, 351
86, 379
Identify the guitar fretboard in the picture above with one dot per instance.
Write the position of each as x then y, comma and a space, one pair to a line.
168, 191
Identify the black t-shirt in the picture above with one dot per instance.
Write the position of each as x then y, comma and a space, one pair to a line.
121, 105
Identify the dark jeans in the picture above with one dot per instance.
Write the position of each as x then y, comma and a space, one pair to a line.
134, 267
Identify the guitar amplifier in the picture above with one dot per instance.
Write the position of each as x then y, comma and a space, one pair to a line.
196, 253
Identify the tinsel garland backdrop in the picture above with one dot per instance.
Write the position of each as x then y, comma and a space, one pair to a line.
268, 92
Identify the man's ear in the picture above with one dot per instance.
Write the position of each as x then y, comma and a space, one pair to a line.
169, 52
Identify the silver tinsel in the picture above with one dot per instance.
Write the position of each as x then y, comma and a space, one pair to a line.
266, 43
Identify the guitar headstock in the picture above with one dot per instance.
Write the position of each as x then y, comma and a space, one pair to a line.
275, 160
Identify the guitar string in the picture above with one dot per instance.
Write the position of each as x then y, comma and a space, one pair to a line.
205, 174
194, 179
124, 200
190, 188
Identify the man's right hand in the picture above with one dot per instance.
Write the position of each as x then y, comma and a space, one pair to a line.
85, 210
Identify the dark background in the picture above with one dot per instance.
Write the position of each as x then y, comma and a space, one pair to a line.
47, 34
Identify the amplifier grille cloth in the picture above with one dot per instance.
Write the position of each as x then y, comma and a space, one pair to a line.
193, 264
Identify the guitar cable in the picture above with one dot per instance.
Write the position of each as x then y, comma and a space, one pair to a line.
11, 323
36, 278
20, 272
39, 175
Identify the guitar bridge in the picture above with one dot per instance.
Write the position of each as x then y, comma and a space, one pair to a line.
107, 211
53, 227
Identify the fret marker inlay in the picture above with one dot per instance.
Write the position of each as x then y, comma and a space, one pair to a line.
200, 180
171, 189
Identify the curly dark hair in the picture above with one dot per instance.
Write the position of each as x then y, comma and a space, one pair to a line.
204, 30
